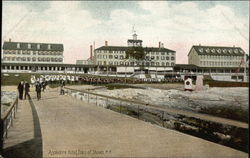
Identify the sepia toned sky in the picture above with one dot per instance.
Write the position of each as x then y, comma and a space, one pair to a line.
78, 24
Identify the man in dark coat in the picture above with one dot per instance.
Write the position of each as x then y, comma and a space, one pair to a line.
20, 90
38, 90
26, 90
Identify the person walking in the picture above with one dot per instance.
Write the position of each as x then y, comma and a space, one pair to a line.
62, 88
20, 90
26, 90
38, 90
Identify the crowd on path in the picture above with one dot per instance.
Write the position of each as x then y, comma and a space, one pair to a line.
41, 82
25, 87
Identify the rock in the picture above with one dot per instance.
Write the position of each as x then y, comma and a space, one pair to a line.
8, 97
222, 136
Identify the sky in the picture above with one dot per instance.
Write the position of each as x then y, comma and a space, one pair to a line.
79, 24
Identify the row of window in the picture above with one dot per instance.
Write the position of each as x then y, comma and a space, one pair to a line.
135, 63
215, 63
38, 46
218, 50
146, 58
123, 52
25, 52
32, 59
221, 57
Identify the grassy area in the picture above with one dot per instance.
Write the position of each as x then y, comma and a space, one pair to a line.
213, 83
15, 79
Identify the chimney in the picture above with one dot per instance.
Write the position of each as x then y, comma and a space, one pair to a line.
159, 44
106, 43
9, 39
91, 49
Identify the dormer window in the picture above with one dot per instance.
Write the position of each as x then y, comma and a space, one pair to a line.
49, 46
213, 50
207, 50
241, 51
29, 46
236, 51
224, 50
219, 50
230, 51
201, 50
38, 46
18, 45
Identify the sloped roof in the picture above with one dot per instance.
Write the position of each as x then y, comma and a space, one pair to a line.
218, 50
131, 40
122, 48
24, 46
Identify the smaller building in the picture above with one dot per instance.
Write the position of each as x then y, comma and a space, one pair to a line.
214, 56
84, 62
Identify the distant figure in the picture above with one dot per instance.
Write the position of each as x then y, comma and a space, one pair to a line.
44, 85
26, 90
20, 90
62, 88
38, 90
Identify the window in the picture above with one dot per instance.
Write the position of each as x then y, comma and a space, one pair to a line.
172, 58
38, 46
162, 64
167, 64
121, 56
18, 45
34, 59
162, 53
49, 46
29, 46
167, 58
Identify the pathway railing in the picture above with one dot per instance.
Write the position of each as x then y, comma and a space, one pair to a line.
8, 117
137, 108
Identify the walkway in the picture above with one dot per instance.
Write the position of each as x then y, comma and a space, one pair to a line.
73, 128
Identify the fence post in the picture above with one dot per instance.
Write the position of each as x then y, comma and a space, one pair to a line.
162, 118
11, 117
120, 107
96, 100
14, 111
6, 129
138, 110
16, 103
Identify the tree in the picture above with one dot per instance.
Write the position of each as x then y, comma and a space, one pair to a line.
136, 52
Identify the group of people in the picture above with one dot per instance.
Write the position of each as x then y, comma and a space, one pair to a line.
25, 87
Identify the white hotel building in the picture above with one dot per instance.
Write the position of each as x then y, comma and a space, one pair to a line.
116, 55
20, 52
